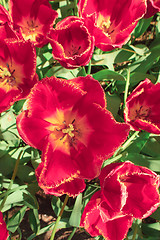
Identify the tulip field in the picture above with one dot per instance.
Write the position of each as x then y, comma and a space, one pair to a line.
79, 119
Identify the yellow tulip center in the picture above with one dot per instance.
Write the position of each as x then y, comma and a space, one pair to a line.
7, 76
140, 112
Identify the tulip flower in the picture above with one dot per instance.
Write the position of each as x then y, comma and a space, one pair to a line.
110, 211
153, 6
111, 22
141, 107
17, 71
75, 132
3, 229
33, 19
71, 43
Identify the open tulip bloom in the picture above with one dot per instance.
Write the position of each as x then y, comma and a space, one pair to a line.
71, 42
141, 107
17, 71
3, 229
127, 192
111, 22
31, 20
68, 121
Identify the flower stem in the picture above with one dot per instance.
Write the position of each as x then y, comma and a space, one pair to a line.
129, 141
126, 87
59, 217
76, 8
89, 68
12, 179
72, 233
135, 230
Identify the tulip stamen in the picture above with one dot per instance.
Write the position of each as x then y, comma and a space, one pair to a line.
143, 113
6, 75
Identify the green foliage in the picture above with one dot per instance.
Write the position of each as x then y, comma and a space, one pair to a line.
141, 58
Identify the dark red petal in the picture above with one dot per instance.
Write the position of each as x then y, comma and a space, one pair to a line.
153, 6
31, 127
3, 229
93, 223
91, 215
116, 229
146, 200
94, 90
51, 94
7, 32
105, 129
7, 98
57, 174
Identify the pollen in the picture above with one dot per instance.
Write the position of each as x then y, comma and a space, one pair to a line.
4, 73
69, 130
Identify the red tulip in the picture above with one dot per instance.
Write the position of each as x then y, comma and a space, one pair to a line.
33, 19
17, 71
153, 6
141, 107
71, 43
111, 22
75, 132
111, 211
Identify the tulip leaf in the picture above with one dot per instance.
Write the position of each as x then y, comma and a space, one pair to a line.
142, 160
152, 147
26, 173
113, 103
14, 222
76, 212
142, 26
108, 74
152, 229
138, 143
34, 220
156, 214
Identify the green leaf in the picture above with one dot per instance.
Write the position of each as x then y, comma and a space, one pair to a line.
26, 174
15, 221
156, 214
34, 220
30, 200
138, 143
113, 103
76, 212
152, 147
108, 74
142, 26
143, 160
152, 229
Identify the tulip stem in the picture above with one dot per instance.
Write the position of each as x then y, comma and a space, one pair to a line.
89, 68
76, 8
72, 233
12, 179
129, 141
135, 230
59, 217
126, 87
